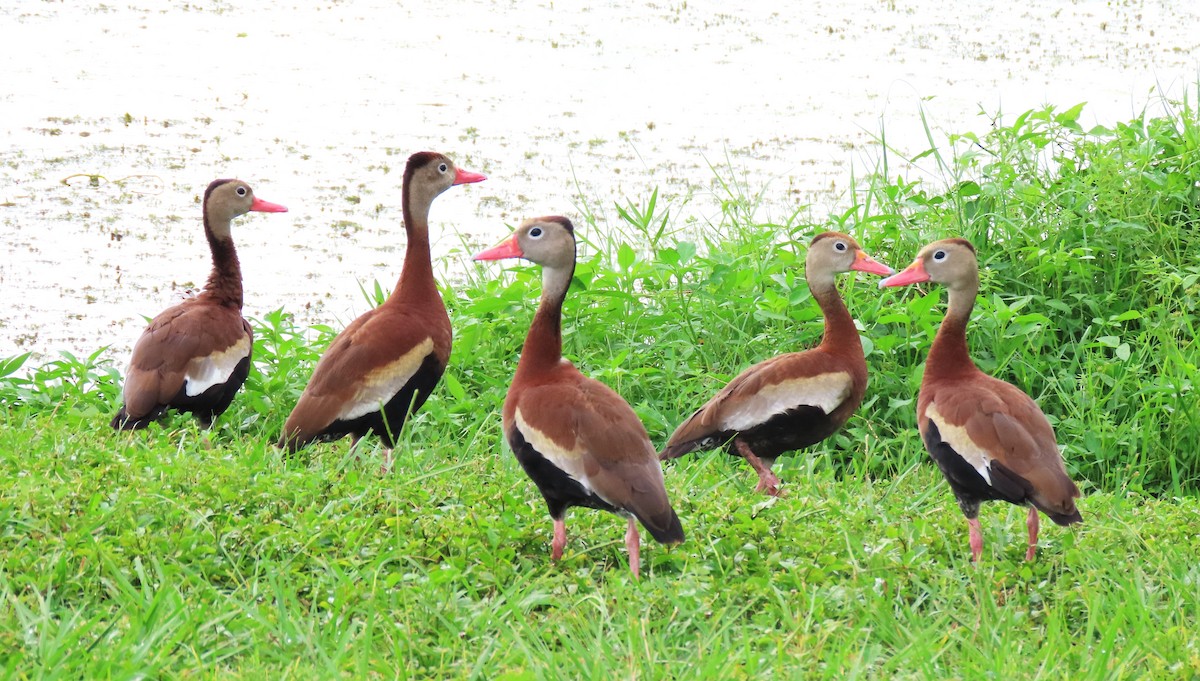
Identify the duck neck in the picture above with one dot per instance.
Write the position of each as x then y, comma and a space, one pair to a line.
949, 353
416, 278
840, 332
225, 281
543, 344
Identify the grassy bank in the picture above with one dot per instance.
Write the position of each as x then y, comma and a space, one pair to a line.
168, 553
126, 556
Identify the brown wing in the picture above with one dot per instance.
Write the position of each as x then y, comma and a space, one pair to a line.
366, 364
589, 432
194, 329
988, 418
812, 378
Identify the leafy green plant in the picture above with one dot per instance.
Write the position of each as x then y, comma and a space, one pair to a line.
168, 553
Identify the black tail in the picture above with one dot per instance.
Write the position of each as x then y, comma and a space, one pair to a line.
677, 450
1062, 512
122, 421
665, 527
1064, 518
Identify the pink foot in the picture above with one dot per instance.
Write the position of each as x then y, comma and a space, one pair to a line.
633, 544
769, 484
560, 539
1032, 524
976, 539
386, 466
767, 481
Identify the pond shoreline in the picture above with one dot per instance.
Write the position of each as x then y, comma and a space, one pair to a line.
318, 108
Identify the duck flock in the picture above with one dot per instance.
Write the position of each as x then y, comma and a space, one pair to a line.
577, 439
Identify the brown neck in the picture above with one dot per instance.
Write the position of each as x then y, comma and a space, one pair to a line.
949, 353
543, 344
416, 279
225, 282
840, 333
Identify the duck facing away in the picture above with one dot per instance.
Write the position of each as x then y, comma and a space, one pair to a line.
990, 439
195, 356
384, 365
577, 439
796, 399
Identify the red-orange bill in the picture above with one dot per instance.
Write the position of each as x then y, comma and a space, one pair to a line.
913, 274
467, 177
267, 206
865, 263
508, 249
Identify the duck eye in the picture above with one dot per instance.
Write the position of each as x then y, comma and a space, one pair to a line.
939, 256
841, 246
536, 232
241, 191
443, 168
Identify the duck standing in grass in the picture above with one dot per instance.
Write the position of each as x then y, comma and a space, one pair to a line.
990, 439
384, 365
796, 399
195, 356
577, 439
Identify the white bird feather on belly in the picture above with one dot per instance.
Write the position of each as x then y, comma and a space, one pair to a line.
961, 443
569, 461
204, 372
382, 384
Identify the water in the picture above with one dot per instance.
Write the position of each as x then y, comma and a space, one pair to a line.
318, 107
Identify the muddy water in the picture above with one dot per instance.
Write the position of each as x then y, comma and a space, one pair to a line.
115, 116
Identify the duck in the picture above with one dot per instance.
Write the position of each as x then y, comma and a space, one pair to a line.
383, 366
194, 357
796, 399
990, 440
577, 439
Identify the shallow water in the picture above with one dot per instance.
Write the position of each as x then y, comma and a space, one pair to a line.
318, 108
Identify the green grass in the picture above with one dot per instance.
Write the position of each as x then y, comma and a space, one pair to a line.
127, 556
172, 553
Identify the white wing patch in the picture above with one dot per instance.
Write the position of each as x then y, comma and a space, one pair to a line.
957, 438
204, 372
569, 461
824, 391
382, 384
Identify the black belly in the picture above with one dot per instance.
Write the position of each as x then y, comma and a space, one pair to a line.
784, 432
560, 490
213, 402
388, 422
969, 487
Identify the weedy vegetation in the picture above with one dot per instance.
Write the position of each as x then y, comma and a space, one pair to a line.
177, 553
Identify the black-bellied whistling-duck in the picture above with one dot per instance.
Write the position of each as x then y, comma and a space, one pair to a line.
383, 366
577, 439
793, 400
194, 357
990, 440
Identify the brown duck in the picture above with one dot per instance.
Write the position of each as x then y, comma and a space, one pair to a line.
797, 399
384, 365
580, 443
195, 356
990, 439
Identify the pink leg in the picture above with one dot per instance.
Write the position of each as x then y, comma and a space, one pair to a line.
976, 539
386, 466
767, 481
560, 539
633, 544
1032, 524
